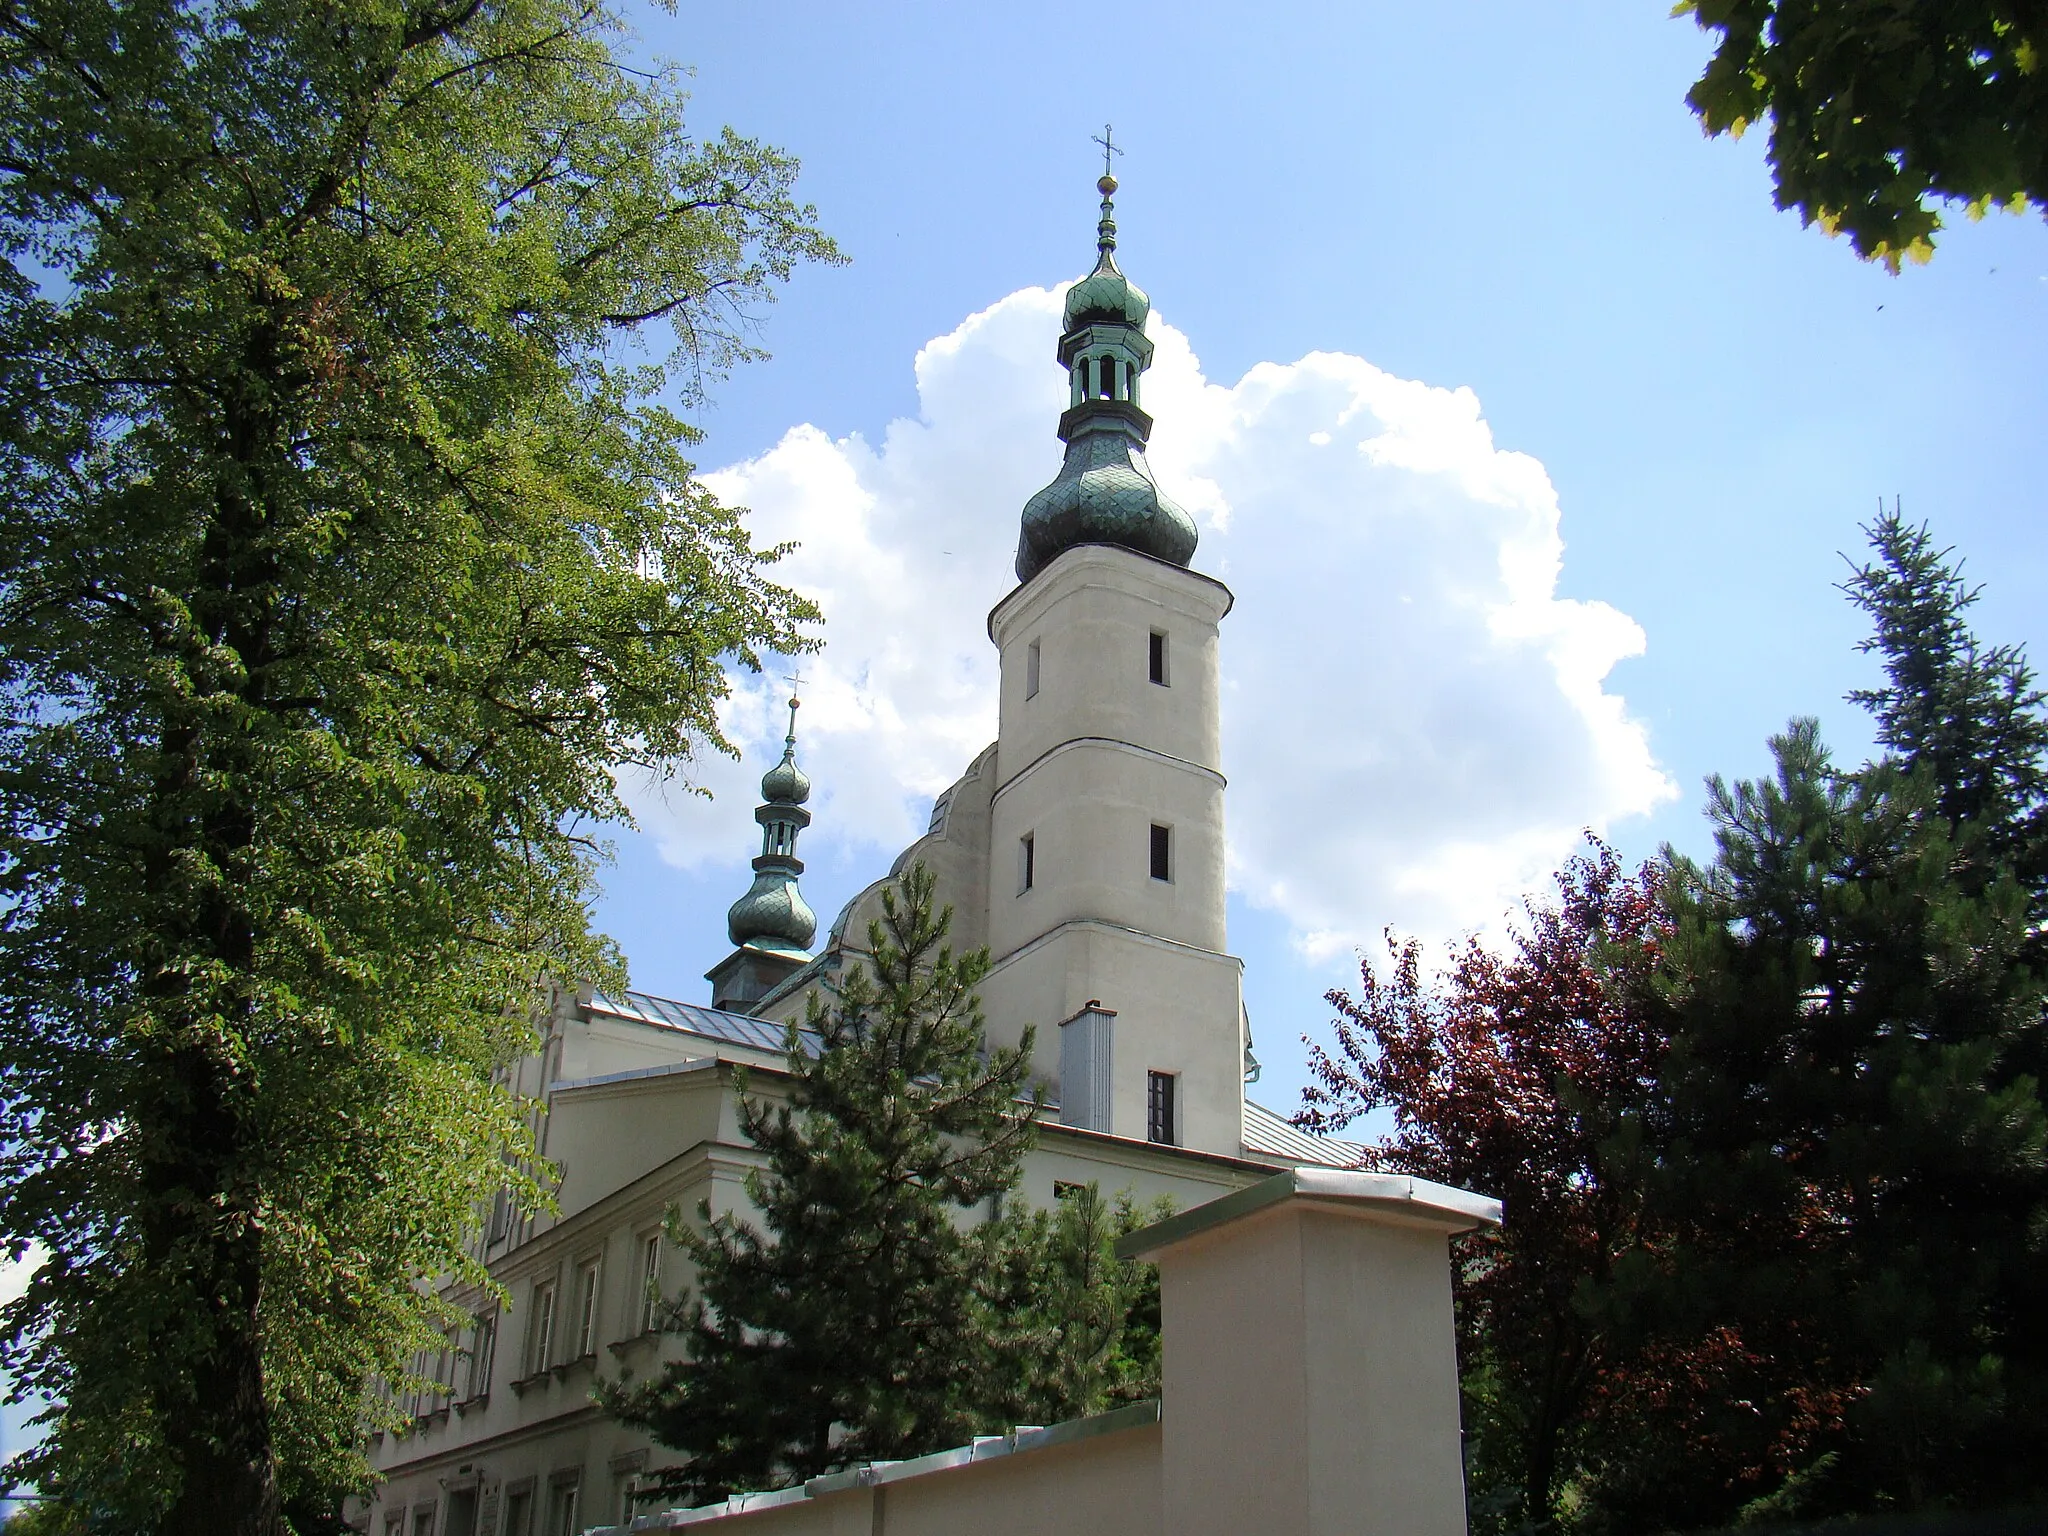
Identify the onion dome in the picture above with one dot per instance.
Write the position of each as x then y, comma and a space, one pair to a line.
785, 783
1106, 294
773, 915
1104, 493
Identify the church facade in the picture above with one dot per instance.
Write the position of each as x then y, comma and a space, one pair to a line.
1084, 848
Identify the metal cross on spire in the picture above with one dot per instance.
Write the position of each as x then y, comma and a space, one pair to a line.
796, 686
1105, 139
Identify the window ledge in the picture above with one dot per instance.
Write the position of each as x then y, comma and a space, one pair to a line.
475, 1404
581, 1362
621, 1348
526, 1384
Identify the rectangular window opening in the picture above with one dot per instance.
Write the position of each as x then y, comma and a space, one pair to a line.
542, 1343
1031, 670
1027, 862
650, 1282
1161, 1121
482, 1348
1162, 852
586, 1310
1159, 658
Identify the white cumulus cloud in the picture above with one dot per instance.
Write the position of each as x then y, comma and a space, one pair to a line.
1416, 727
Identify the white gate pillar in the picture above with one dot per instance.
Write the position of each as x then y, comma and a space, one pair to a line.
1310, 1373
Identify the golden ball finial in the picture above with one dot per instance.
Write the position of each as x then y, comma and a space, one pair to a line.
1106, 186
796, 703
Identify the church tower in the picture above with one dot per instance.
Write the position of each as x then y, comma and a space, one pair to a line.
1105, 840
771, 927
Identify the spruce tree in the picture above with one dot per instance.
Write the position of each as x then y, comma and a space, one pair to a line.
847, 1318
1850, 1135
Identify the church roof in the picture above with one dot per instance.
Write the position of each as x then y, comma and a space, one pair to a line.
713, 1023
1266, 1134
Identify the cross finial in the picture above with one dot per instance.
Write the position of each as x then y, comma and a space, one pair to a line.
796, 683
1109, 147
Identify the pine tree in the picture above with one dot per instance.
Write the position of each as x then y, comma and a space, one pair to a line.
847, 1318
1079, 1327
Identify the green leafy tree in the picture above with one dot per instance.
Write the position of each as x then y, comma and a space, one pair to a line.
1525, 1074
846, 1319
346, 552
1880, 109
1851, 1143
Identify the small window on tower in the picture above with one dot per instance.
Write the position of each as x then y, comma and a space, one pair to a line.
1027, 862
1108, 377
1161, 1112
1159, 657
1031, 670
1162, 852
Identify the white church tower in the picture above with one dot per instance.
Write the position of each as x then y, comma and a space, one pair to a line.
1105, 885
1085, 847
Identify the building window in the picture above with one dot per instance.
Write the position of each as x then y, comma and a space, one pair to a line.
1062, 1188
650, 1282
586, 1310
1162, 852
423, 1521
519, 1512
1158, 657
1161, 1120
562, 1507
540, 1344
483, 1346
1027, 862
1031, 670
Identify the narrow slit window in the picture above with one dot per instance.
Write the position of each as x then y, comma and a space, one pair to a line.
1031, 670
1027, 862
1158, 657
1087, 376
1162, 852
1108, 378
1161, 1112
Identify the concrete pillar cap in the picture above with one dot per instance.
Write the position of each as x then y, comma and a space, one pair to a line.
1396, 1199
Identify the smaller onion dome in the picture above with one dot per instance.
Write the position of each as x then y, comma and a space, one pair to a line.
785, 783
1105, 295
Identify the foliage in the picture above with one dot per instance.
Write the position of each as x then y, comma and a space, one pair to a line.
1078, 1326
1770, 1131
345, 553
850, 1324
1852, 1145
1523, 1075
1880, 107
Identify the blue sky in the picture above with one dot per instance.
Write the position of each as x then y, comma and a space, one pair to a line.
1512, 200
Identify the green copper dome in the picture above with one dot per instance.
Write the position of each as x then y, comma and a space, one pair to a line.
773, 915
1106, 295
1105, 493
785, 783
